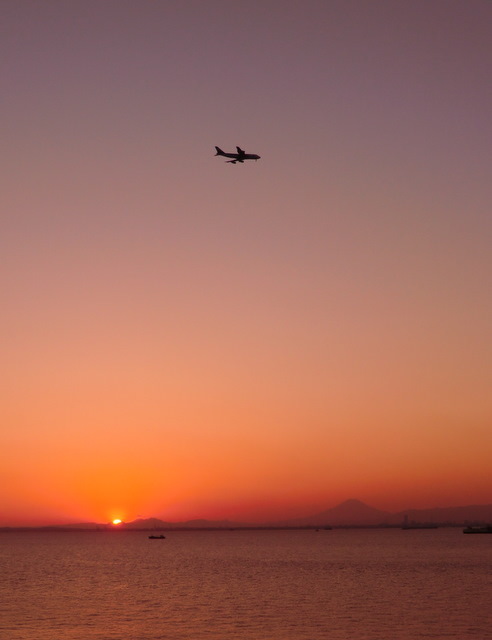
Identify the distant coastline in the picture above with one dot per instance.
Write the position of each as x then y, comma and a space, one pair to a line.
351, 514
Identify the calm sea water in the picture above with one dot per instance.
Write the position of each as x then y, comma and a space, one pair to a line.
326, 585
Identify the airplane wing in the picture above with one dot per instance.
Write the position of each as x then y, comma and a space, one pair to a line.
240, 151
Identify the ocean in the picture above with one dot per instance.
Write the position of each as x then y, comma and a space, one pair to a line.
367, 584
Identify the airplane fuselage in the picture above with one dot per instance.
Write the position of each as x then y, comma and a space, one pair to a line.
240, 156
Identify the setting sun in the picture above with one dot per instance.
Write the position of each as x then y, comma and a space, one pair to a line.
117, 521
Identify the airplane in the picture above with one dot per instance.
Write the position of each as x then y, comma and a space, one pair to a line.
240, 156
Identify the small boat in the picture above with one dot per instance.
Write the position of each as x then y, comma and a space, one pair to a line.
161, 537
486, 529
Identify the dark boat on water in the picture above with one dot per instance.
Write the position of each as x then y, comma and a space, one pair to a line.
486, 529
161, 537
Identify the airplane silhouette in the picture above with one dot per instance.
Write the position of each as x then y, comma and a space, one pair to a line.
240, 156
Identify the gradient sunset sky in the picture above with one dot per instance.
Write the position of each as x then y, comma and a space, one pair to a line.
186, 338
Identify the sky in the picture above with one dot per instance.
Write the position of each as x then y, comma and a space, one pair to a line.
185, 338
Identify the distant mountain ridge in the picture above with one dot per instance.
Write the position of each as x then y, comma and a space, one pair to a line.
350, 513
346, 514
154, 523
356, 513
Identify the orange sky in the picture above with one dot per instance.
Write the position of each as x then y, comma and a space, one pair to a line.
185, 338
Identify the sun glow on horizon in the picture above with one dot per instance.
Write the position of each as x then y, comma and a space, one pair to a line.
116, 521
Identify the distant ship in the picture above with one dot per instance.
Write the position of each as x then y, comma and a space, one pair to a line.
486, 529
157, 537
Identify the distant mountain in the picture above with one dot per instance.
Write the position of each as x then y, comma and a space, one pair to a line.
357, 513
349, 513
155, 523
146, 523
353, 512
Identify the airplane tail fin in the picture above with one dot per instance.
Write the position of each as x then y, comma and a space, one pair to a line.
219, 151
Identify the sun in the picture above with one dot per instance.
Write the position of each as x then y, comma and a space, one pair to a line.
116, 521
